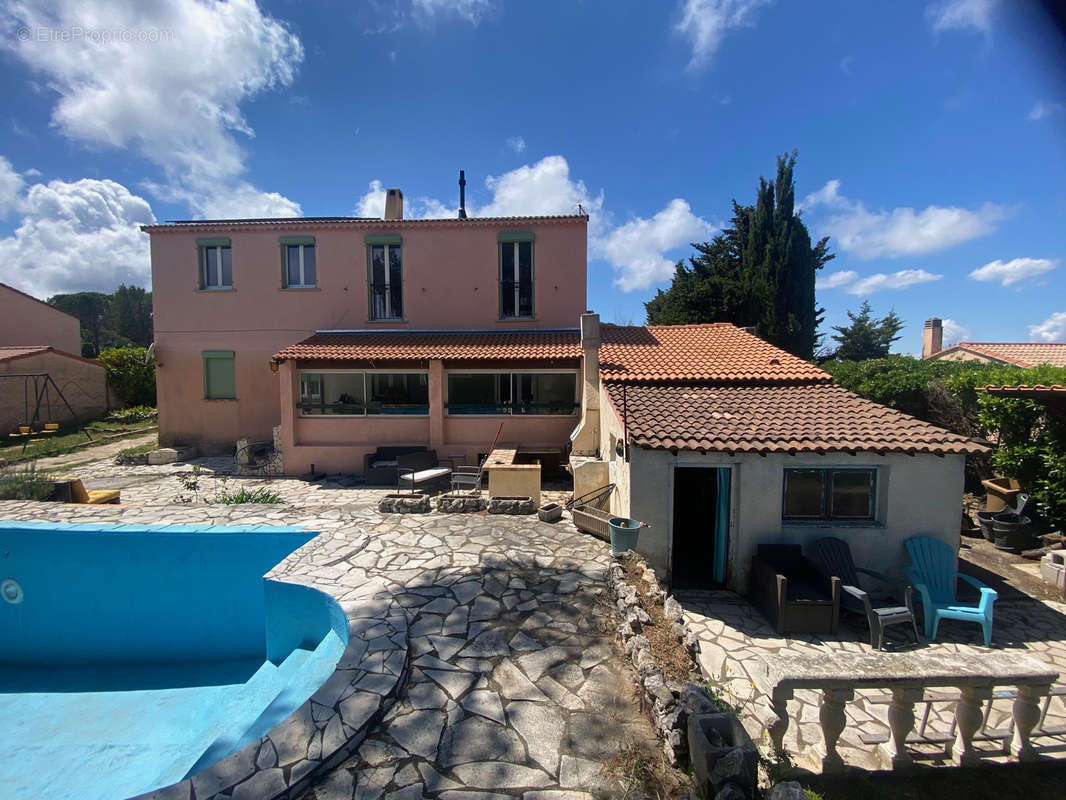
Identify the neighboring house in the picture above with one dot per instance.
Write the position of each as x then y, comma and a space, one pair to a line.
720, 441
25, 320
82, 381
354, 333
1015, 354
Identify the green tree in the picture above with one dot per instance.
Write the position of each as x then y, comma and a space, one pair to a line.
127, 373
129, 315
866, 337
91, 309
109, 320
758, 272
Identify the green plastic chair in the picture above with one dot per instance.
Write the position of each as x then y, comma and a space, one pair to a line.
933, 574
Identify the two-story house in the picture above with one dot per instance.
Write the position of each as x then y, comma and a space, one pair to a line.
353, 333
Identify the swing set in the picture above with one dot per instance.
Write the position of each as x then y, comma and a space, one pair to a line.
40, 387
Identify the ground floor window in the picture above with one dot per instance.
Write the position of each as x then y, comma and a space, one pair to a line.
360, 392
220, 376
537, 393
829, 494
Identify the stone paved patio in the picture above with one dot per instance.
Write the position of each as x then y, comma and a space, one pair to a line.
735, 640
514, 689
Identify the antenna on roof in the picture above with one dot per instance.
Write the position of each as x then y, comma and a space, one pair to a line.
462, 194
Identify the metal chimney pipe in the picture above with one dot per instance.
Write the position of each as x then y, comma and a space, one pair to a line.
462, 194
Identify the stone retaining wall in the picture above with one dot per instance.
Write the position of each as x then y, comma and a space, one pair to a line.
670, 704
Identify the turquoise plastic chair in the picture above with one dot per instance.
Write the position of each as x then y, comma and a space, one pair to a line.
932, 572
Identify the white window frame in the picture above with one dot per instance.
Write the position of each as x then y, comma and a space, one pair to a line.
512, 373
390, 315
303, 284
209, 287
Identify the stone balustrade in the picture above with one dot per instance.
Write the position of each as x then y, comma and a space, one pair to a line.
908, 676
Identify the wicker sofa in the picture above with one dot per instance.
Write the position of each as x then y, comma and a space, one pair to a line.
380, 468
790, 591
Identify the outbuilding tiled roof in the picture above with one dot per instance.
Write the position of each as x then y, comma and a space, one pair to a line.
1031, 392
12, 352
546, 345
716, 352
1023, 354
807, 418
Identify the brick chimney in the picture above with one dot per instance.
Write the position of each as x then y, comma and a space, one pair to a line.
586, 436
393, 204
932, 337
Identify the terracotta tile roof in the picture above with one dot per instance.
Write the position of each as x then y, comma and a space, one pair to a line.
394, 345
1027, 391
1024, 354
815, 417
357, 222
717, 352
10, 353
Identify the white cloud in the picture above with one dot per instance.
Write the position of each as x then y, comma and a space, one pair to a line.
954, 333
79, 236
517, 143
895, 280
1053, 329
175, 99
705, 22
1017, 269
837, 279
637, 250
473, 11
11, 184
973, 15
900, 231
1043, 109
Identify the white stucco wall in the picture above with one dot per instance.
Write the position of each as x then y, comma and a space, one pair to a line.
617, 468
919, 494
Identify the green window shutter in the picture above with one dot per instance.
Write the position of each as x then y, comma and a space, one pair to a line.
224, 242
514, 236
220, 379
297, 239
389, 238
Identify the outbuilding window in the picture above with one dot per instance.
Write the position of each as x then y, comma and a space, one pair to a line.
829, 494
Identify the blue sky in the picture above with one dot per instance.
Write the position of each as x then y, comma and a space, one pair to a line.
931, 135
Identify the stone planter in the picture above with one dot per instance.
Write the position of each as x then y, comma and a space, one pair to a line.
511, 505
460, 503
404, 504
1001, 493
550, 512
721, 752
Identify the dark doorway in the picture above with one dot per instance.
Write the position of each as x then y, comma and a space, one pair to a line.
695, 529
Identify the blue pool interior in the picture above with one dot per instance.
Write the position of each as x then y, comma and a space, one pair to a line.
140, 655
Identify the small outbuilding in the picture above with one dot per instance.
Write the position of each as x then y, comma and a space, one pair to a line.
25, 372
721, 441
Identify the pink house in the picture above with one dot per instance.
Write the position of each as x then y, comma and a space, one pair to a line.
355, 333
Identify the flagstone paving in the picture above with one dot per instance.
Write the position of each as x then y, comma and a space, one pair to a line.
514, 687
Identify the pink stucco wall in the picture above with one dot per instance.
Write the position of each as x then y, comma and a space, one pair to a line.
26, 321
450, 282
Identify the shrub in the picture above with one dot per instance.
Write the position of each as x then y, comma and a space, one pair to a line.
26, 483
135, 455
127, 416
228, 497
132, 379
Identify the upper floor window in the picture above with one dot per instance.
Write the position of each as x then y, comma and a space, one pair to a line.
385, 278
216, 270
298, 261
829, 494
516, 275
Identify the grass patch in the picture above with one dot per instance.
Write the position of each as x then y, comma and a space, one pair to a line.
71, 438
133, 414
642, 772
229, 497
25, 483
135, 455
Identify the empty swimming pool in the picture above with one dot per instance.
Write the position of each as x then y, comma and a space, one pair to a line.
132, 657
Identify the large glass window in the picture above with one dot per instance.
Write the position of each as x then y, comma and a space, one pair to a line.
516, 279
829, 494
386, 281
544, 393
357, 393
